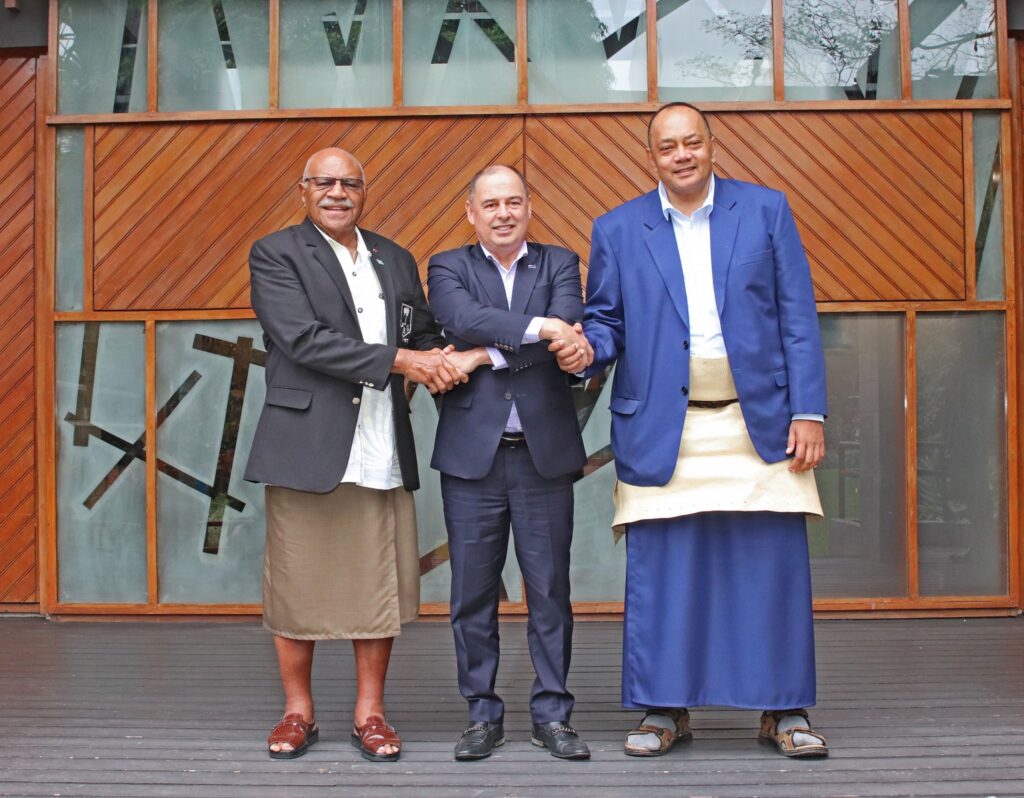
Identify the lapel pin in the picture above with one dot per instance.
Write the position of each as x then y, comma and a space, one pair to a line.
531, 265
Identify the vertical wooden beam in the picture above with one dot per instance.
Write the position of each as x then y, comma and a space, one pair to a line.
651, 19
152, 584
44, 241
1002, 49
1016, 313
903, 20
522, 55
152, 57
970, 261
53, 45
778, 52
913, 571
274, 61
88, 214
397, 56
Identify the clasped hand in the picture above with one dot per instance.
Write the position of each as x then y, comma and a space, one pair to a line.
439, 369
572, 349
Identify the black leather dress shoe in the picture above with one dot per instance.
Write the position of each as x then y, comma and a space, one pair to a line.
479, 740
560, 739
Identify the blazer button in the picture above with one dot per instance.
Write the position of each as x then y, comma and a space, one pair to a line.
355, 399
508, 396
686, 344
685, 390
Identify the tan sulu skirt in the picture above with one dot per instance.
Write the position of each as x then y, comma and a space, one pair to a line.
718, 469
343, 564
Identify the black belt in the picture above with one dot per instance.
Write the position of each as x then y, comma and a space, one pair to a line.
712, 404
511, 440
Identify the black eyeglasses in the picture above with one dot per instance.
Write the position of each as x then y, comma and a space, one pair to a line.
327, 183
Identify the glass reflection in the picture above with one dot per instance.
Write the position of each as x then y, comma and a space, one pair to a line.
961, 445
210, 390
587, 51
101, 56
953, 49
335, 54
710, 50
70, 231
459, 52
841, 49
101, 455
988, 205
859, 547
213, 55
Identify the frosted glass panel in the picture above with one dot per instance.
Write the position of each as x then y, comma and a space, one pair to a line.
953, 49
587, 51
335, 54
859, 548
841, 50
101, 469
101, 56
210, 390
961, 440
69, 287
459, 52
213, 55
988, 206
711, 50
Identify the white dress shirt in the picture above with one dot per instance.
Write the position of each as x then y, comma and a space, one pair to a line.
373, 461
693, 240
532, 334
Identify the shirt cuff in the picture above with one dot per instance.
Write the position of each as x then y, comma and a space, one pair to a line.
809, 417
497, 359
532, 334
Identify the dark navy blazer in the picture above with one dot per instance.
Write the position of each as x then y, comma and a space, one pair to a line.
468, 299
637, 313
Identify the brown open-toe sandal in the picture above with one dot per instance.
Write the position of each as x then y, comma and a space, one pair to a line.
294, 731
667, 738
373, 735
783, 741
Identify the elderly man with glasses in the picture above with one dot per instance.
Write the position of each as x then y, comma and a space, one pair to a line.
345, 323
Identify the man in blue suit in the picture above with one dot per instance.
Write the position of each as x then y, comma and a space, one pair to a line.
701, 293
508, 447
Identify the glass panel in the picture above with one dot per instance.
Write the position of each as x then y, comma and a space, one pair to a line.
101, 56
859, 547
961, 442
988, 206
70, 233
213, 55
841, 49
597, 568
587, 51
436, 573
953, 49
335, 54
101, 474
710, 50
459, 52
210, 391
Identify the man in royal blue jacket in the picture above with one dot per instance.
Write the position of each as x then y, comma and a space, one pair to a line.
508, 447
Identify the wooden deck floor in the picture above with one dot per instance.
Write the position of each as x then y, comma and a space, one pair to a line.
923, 707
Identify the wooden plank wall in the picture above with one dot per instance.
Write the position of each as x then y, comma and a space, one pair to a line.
18, 529
878, 196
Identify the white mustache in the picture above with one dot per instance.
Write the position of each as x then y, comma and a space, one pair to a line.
335, 204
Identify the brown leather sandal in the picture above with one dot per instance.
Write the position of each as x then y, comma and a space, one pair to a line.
294, 731
373, 735
783, 741
666, 737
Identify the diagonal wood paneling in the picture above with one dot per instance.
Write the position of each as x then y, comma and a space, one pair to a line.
18, 582
878, 197
178, 206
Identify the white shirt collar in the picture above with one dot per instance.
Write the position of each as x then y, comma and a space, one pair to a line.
520, 254
362, 251
667, 208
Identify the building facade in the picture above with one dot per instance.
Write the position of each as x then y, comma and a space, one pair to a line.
146, 143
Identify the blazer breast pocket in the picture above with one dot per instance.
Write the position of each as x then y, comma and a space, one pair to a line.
754, 258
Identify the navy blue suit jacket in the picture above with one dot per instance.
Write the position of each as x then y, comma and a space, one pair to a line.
637, 314
468, 299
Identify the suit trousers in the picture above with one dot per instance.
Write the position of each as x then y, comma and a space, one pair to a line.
478, 513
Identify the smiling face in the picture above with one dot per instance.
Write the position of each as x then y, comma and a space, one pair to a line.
334, 210
682, 153
499, 210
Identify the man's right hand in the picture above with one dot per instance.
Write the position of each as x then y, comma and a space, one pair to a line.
429, 368
573, 357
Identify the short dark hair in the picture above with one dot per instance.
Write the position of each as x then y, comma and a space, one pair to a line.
493, 169
677, 104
